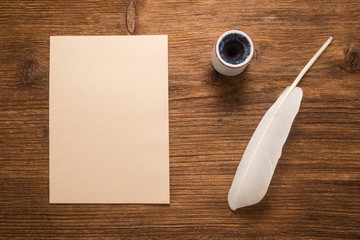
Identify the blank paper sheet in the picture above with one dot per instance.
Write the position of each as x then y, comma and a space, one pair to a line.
109, 137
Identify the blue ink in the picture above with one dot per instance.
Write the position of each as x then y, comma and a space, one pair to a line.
234, 48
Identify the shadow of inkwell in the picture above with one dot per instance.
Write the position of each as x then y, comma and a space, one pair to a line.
229, 89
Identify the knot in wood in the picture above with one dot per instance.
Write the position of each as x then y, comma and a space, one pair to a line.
28, 72
351, 61
130, 17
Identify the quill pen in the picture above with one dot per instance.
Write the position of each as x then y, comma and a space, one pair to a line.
258, 163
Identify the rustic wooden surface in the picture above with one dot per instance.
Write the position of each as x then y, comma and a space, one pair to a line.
315, 191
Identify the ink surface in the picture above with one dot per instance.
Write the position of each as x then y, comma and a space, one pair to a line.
234, 48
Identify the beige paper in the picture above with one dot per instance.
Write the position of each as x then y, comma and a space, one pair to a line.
109, 139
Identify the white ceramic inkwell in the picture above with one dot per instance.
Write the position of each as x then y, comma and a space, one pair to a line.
232, 52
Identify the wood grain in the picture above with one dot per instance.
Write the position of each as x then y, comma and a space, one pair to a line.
315, 191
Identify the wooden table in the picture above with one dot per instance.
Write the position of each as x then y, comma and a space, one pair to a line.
315, 191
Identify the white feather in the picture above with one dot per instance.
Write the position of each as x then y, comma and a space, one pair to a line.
254, 173
257, 166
